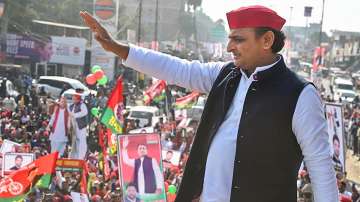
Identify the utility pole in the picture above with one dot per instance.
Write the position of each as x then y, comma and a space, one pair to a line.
156, 25
290, 37
320, 34
139, 23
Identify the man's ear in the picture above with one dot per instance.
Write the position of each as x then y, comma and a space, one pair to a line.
268, 40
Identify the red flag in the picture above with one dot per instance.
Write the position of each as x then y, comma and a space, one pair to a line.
186, 101
19, 182
318, 59
112, 117
154, 90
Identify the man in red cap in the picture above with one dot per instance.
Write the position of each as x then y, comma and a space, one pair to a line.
78, 117
260, 120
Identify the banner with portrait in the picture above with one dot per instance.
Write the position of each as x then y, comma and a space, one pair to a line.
140, 167
14, 161
334, 118
171, 158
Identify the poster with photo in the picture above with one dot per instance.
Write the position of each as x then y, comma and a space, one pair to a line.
15, 161
171, 158
8, 146
334, 118
140, 163
79, 197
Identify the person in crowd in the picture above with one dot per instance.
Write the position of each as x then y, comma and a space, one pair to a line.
9, 103
78, 119
147, 174
59, 126
239, 111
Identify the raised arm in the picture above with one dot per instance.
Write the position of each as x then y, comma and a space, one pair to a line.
193, 75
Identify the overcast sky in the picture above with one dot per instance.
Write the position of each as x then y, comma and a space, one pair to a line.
339, 14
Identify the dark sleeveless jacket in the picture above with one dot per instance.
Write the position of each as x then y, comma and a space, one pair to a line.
81, 121
267, 156
149, 175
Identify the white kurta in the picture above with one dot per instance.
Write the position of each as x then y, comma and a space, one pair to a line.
59, 134
313, 139
80, 133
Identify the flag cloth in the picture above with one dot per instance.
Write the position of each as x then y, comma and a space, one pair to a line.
112, 117
153, 91
318, 58
16, 186
186, 101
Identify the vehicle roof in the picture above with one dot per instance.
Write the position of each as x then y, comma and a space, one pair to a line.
60, 78
343, 81
144, 108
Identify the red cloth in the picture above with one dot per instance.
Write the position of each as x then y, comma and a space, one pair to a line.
254, 16
344, 198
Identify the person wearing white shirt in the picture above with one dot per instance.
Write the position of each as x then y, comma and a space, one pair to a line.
58, 125
260, 119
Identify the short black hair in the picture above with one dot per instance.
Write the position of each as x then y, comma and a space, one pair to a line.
335, 137
170, 152
131, 184
18, 157
279, 39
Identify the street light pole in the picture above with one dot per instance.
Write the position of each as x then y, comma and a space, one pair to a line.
320, 34
139, 23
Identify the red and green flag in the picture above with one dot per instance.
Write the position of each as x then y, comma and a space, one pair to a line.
187, 101
38, 173
112, 117
154, 90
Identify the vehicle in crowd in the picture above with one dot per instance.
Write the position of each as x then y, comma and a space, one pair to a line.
7, 88
147, 115
344, 89
53, 85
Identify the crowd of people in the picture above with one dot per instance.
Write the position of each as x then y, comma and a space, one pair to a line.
29, 118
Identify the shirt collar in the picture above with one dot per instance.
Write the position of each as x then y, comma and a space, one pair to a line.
253, 76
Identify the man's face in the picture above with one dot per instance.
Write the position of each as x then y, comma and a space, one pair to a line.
131, 192
337, 148
245, 47
62, 102
47, 51
75, 99
169, 156
18, 162
142, 150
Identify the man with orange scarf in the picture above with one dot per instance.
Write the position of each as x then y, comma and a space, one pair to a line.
58, 125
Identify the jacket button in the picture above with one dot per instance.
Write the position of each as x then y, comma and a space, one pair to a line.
241, 136
236, 187
238, 161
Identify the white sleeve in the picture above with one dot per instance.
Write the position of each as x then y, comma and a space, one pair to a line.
82, 112
128, 161
310, 128
193, 75
158, 174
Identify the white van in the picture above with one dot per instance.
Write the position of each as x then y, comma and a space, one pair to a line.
147, 115
344, 89
54, 85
